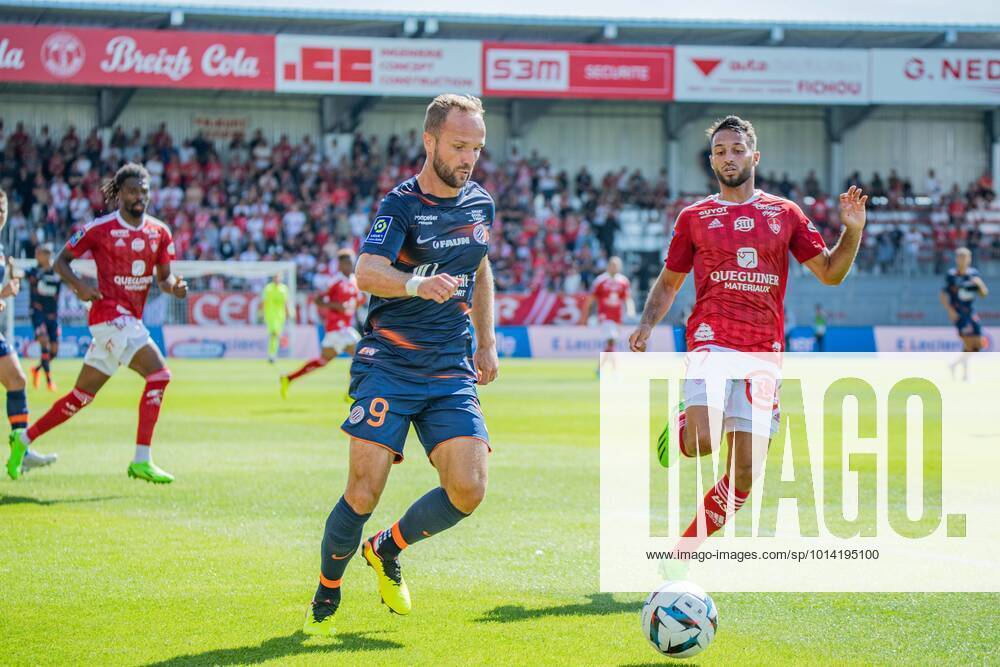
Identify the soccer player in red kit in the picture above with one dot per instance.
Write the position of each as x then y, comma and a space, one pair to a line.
130, 248
737, 242
340, 301
612, 293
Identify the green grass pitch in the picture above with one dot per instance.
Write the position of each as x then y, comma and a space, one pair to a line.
218, 568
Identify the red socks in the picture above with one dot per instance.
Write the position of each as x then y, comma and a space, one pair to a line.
308, 367
149, 405
715, 508
61, 410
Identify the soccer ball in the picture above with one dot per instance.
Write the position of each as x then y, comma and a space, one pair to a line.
679, 619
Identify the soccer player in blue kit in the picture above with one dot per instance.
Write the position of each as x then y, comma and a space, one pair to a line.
962, 285
424, 262
44, 306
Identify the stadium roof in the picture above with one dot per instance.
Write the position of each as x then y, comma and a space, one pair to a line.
849, 23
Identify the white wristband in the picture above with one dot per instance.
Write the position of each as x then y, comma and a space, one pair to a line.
413, 283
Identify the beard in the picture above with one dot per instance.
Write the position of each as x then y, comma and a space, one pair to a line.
734, 181
449, 176
137, 208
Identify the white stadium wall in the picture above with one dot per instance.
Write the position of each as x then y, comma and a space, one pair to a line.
912, 140
398, 116
604, 136
58, 111
185, 112
790, 139
393, 116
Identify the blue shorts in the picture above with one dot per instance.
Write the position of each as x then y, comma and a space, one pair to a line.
385, 404
40, 321
969, 325
4, 348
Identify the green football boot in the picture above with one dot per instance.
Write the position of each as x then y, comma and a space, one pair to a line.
666, 454
18, 449
319, 619
391, 586
150, 472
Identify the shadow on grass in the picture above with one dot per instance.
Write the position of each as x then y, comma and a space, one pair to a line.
601, 604
25, 500
282, 647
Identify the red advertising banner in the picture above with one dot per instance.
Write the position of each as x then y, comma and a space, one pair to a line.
223, 308
228, 308
541, 308
127, 57
578, 70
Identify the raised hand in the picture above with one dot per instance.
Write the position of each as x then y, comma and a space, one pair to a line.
852, 208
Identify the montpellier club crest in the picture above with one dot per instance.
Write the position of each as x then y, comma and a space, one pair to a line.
481, 234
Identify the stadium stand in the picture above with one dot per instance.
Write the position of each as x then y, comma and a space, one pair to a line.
251, 199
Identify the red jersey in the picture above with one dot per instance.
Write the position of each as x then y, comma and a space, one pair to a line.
739, 253
126, 258
343, 290
611, 293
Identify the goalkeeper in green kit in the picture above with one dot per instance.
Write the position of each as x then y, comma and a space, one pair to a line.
275, 307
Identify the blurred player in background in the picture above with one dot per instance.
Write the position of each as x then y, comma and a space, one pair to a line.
737, 242
45, 284
612, 295
424, 262
819, 328
962, 285
11, 375
128, 247
340, 302
275, 307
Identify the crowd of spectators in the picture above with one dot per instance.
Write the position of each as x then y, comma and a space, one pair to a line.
248, 198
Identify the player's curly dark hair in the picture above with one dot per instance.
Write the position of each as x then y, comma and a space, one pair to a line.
736, 124
130, 170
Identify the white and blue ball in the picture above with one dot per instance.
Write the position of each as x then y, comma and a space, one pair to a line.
679, 619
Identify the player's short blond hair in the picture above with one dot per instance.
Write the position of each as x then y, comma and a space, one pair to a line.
736, 124
440, 106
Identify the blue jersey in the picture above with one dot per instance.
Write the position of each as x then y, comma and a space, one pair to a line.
426, 235
961, 291
45, 284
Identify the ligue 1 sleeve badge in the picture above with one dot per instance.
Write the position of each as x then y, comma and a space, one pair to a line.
379, 229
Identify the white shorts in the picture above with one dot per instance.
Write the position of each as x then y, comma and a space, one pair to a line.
114, 343
609, 330
340, 339
742, 386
